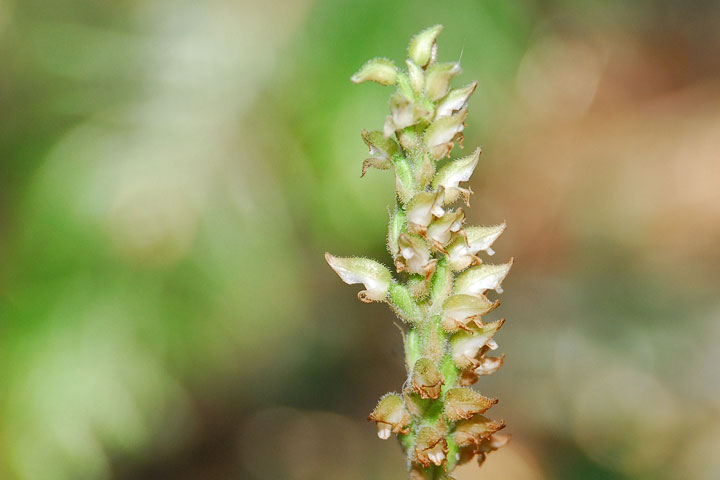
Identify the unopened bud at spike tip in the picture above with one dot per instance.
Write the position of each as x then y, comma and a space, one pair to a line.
440, 292
422, 45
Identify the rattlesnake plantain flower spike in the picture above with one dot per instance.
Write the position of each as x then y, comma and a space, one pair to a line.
439, 293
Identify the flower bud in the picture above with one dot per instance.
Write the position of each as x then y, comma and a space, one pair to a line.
461, 251
438, 78
427, 379
395, 228
441, 282
441, 135
403, 304
476, 280
409, 139
462, 403
414, 255
380, 70
417, 76
391, 416
454, 172
422, 45
460, 310
466, 346
404, 184
402, 110
430, 447
425, 172
423, 207
440, 230
375, 276
456, 100
474, 430
434, 341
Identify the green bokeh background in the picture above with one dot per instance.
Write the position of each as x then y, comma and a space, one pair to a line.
171, 173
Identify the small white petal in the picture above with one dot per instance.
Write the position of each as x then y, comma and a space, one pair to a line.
384, 431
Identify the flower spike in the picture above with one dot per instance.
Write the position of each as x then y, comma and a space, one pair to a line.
439, 283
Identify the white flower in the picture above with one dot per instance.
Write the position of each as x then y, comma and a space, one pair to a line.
440, 230
375, 276
459, 310
466, 346
456, 171
456, 100
423, 207
441, 135
477, 280
462, 251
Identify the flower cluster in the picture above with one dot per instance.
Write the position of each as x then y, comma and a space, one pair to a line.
440, 290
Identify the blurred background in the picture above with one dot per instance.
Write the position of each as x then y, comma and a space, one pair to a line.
171, 173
